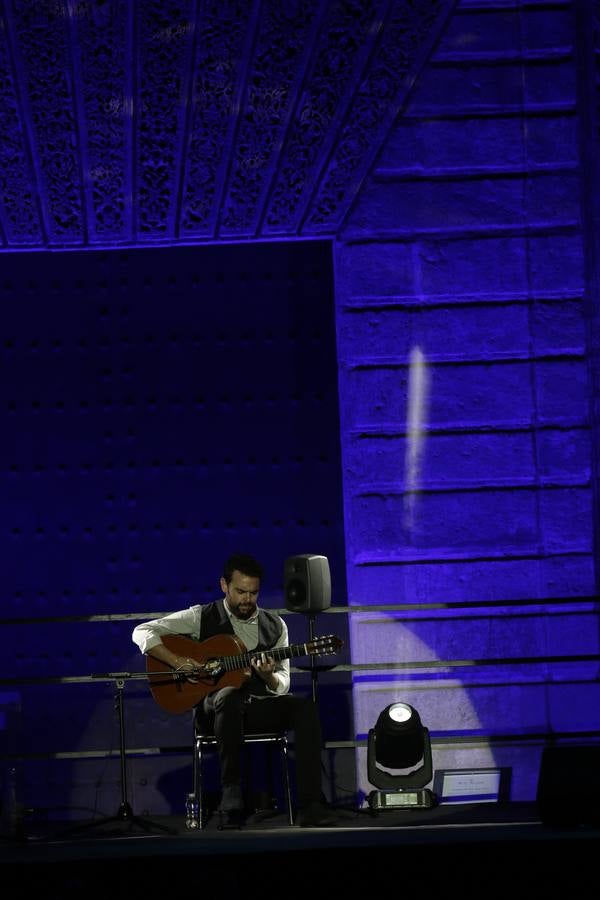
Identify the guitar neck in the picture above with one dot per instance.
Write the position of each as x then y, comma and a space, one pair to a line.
244, 660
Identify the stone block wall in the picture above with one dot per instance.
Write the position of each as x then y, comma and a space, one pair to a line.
465, 387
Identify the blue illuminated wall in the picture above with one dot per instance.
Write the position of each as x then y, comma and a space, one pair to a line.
465, 367
162, 404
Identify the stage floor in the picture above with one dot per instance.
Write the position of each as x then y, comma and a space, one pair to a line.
466, 848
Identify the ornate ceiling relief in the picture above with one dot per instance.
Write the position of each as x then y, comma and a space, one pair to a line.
106, 90
275, 65
164, 32
221, 30
596, 15
374, 105
157, 121
328, 85
20, 221
45, 75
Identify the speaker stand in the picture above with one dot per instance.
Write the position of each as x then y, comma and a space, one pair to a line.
125, 813
313, 668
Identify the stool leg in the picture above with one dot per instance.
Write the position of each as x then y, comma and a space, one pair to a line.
200, 786
286, 778
269, 773
193, 814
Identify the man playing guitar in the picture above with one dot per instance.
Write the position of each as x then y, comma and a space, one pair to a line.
230, 660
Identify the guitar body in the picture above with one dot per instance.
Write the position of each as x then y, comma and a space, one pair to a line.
177, 694
221, 661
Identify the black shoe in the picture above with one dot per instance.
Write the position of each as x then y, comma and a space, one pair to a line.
231, 798
231, 819
231, 807
316, 815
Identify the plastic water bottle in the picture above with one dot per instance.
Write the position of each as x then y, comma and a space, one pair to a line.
191, 811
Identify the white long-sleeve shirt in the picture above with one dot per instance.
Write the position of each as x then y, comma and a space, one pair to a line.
187, 621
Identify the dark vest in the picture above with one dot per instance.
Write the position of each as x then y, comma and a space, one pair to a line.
214, 620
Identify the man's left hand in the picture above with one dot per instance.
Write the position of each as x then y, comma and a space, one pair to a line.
264, 666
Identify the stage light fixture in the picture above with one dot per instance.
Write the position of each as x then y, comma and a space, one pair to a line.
401, 743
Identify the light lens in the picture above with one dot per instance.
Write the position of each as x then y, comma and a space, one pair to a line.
400, 712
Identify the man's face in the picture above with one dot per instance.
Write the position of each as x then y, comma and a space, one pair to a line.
241, 594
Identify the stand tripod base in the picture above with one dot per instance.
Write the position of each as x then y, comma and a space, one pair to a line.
124, 816
125, 813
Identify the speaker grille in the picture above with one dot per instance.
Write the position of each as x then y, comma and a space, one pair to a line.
307, 583
295, 594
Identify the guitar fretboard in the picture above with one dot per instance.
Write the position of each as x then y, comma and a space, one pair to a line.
244, 660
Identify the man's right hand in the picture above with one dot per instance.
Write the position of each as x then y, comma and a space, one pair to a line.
185, 664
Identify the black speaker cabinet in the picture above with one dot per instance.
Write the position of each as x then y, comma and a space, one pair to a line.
307, 583
568, 791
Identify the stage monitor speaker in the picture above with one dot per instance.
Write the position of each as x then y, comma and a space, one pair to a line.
568, 791
307, 583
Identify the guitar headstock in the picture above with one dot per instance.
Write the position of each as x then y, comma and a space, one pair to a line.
326, 645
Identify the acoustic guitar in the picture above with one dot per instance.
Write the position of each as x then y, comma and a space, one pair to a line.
221, 661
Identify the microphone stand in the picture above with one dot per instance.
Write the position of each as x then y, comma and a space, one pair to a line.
125, 812
313, 667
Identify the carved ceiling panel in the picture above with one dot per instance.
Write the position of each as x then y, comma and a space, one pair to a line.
133, 122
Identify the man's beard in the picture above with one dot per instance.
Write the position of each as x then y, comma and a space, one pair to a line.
245, 612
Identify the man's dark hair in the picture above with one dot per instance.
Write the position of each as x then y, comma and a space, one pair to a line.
245, 564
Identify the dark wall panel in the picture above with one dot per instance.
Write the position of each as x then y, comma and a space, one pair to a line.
160, 409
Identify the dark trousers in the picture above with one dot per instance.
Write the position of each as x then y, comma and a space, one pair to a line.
232, 713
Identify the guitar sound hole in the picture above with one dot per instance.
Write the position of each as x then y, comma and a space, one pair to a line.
213, 667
